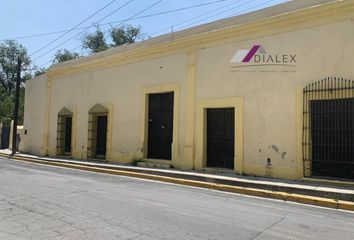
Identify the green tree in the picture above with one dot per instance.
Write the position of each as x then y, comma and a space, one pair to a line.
10, 51
125, 35
96, 41
40, 71
64, 55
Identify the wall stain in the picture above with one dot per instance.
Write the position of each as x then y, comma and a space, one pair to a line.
275, 148
283, 155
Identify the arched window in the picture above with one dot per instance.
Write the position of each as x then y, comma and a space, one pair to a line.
328, 128
97, 132
64, 132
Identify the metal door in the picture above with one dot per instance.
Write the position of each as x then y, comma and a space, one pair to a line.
68, 127
160, 130
5, 136
328, 128
101, 135
332, 130
220, 137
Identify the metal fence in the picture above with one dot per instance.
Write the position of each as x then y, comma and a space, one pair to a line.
64, 125
328, 128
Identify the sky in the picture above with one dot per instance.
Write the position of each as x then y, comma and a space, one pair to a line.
24, 18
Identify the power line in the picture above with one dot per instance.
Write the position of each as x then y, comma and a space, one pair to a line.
250, 9
73, 28
256, 7
145, 9
109, 23
227, 10
130, 18
195, 17
62, 43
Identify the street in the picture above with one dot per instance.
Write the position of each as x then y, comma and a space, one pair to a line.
43, 202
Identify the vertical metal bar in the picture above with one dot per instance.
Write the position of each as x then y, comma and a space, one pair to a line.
310, 147
330, 144
304, 116
321, 121
352, 130
342, 160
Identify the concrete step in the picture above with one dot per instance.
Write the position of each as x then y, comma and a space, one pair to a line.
345, 193
154, 165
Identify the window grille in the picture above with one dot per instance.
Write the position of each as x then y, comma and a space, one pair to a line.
328, 128
64, 131
94, 113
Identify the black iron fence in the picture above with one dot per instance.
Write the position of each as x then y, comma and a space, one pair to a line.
328, 128
64, 125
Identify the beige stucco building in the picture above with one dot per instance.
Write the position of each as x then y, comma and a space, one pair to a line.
239, 93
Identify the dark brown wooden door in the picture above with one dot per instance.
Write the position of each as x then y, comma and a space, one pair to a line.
220, 137
101, 135
160, 131
68, 127
332, 131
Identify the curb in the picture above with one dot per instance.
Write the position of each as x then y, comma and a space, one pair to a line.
317, 201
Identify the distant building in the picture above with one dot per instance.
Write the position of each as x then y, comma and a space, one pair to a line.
269, 93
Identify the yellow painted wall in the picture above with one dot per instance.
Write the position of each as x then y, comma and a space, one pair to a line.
267, 103
35, 102
120, 89
270, 98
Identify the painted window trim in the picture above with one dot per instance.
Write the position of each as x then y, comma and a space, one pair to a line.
175, 88
202, 105
109, 107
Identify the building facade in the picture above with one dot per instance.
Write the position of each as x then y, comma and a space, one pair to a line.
269, 93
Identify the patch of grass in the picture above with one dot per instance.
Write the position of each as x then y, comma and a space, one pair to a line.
136, 161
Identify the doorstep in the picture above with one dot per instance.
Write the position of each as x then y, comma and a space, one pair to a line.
149, 164
301, 187
335, 182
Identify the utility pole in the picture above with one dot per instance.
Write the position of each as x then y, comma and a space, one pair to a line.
17, 100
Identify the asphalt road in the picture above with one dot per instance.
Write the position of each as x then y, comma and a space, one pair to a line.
42, 202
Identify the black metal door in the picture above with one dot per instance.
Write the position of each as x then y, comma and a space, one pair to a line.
101, 135
332, 130
68, 127
160, 131
220, 137
5, 137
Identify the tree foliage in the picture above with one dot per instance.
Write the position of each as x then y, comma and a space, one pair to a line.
40, 71
64, 55
95, 41
7, 105
125, 35
10, 51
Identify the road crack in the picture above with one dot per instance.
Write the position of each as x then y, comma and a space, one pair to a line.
270, 226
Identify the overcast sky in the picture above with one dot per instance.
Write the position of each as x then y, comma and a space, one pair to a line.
23, 18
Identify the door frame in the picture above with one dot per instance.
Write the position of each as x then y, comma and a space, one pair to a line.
209, 119
62, 115
201, 134
175, 88
83, 154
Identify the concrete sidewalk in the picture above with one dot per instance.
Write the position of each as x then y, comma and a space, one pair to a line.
316, 193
